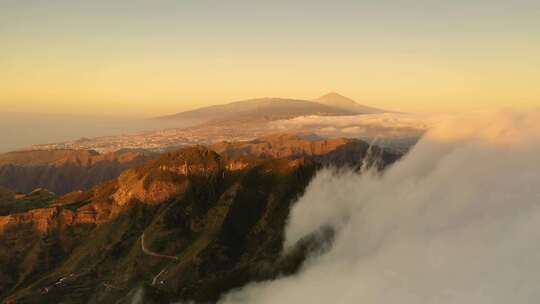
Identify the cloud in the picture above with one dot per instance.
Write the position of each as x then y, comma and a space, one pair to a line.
457, 220
387, 125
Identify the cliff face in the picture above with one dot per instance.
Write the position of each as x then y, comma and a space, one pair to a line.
337, 152
63, 171
166, 177
189, 225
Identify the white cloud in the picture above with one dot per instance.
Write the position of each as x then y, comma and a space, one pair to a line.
456, 221
389, 129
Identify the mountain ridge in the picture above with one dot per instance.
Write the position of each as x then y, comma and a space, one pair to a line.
64, 170
189, 226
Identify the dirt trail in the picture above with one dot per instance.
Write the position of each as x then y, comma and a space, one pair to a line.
155, 254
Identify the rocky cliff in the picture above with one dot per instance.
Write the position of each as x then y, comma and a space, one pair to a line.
336, 152
63, 171
189, 225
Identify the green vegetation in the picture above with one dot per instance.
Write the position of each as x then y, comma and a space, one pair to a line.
11, 203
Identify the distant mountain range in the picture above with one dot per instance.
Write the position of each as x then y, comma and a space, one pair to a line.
331, 104
334, 116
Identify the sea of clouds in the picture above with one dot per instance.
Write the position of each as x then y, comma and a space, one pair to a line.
457, 220
387, 125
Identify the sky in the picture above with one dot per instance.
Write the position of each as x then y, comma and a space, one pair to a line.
145, 58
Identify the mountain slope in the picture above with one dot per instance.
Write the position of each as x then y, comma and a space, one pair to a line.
341, 102
11, 203
258, 109
189, 225
337, 152
64, 170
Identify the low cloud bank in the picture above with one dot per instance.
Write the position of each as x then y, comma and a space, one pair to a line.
456, 221
388, 125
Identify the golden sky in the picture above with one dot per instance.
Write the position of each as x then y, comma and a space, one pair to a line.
145, 58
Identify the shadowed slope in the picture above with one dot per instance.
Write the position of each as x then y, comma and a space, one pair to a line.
63, 171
